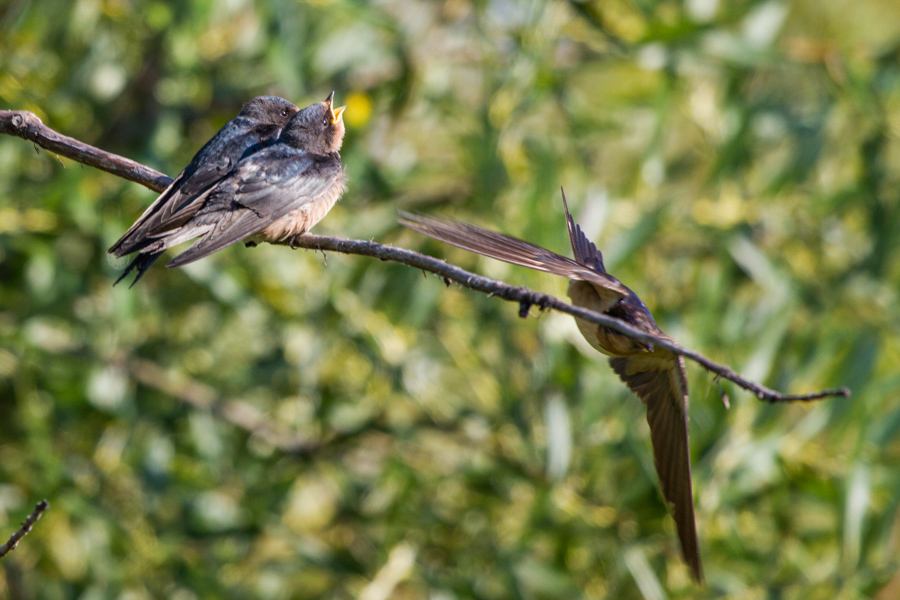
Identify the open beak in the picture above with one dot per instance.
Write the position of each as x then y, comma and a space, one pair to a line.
335, 112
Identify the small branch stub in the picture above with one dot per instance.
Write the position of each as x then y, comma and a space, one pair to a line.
524, 308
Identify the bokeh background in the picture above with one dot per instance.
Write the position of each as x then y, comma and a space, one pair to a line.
263, 424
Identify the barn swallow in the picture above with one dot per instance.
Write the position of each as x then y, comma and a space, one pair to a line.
276, 189
655, 374
259, 122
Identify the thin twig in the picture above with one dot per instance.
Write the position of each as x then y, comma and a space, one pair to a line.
241, 414
527, 298
238, 413
30, 520
28, 126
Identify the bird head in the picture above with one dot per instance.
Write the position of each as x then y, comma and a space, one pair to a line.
318, 128
269, 110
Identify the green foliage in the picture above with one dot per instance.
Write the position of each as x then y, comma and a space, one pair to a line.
737, 162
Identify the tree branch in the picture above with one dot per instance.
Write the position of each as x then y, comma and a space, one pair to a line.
240, 414
27, 126
30, 520
527, 298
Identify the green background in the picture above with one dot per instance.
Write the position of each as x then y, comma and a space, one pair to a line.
262, 424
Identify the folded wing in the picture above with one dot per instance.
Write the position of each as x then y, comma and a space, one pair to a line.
183, 198
276, 181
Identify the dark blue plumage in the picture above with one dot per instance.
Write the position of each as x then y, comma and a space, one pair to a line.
258, 124
237, 187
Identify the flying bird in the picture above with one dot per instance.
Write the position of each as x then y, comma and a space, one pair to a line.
270, 174
655, 374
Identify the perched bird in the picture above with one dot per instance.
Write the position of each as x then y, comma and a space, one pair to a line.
656, 375
277, 186
259, 122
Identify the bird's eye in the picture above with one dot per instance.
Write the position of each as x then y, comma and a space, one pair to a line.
325, 122
284, 112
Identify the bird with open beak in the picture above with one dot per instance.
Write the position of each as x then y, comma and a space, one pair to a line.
274, 191
656, 375
259, 123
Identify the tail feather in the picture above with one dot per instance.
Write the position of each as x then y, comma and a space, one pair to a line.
586, 252
141, 262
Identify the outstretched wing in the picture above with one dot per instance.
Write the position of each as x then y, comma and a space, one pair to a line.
508, 249
262, 189
661, 383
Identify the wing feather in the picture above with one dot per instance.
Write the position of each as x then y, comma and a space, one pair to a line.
178, 203
661, 383
259, 192
585, 251
508, 249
